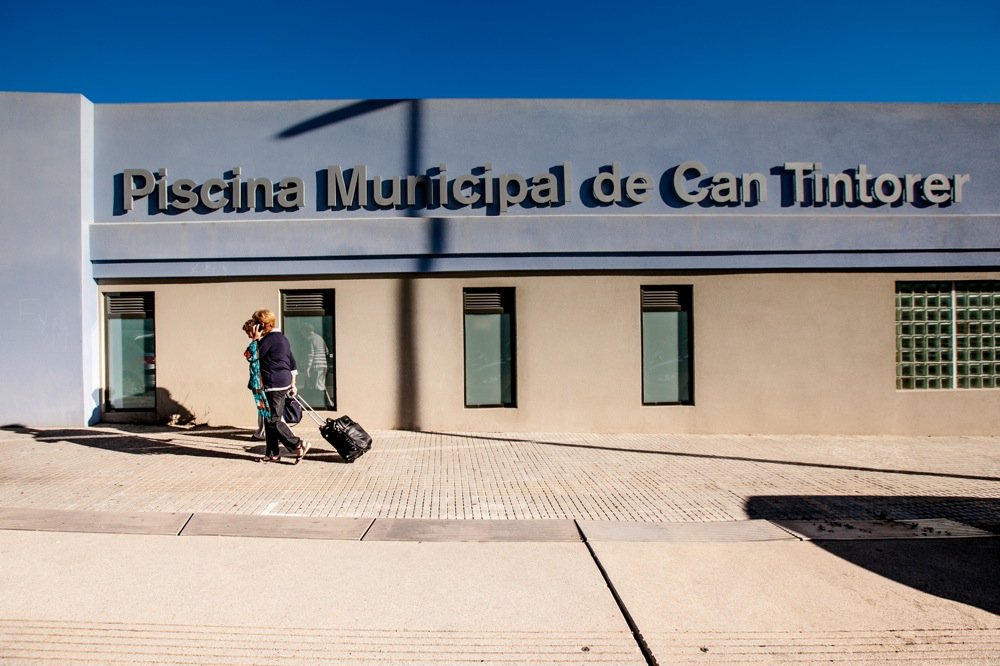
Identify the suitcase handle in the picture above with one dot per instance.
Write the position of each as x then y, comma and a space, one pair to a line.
309, 410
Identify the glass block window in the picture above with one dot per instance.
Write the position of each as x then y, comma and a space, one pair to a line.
947, 335
977, 335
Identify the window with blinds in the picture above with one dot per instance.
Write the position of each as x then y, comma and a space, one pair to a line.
490, 354
667, 354
948, 335
130, 352
308, 321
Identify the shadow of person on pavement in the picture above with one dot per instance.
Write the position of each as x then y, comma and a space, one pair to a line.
144, 440
149, 432
960, 569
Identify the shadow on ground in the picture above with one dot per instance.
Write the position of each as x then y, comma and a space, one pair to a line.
714, 456
137, 440
238, 443
960, 569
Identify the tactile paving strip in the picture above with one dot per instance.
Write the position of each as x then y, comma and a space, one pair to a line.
60, 642
885, 646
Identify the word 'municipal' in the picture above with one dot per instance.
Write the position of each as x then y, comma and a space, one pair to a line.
466, 189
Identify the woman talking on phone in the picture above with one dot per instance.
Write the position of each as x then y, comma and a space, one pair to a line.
272, 381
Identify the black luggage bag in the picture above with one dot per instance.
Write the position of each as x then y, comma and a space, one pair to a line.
345, 434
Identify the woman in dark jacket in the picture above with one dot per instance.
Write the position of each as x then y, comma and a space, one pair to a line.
272, 373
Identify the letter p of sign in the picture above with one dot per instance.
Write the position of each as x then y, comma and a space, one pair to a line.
130, 191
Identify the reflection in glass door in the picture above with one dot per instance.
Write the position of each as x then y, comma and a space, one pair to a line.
308, 322
131, 352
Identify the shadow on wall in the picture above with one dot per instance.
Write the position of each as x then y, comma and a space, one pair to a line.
407, 407
171, 412
168, 412
960, 569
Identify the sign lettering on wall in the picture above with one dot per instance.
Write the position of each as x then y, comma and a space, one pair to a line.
688, 183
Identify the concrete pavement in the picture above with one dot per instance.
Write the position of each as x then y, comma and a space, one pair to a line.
165, 545
226, 600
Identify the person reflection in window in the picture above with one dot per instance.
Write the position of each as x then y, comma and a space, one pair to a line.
317, 366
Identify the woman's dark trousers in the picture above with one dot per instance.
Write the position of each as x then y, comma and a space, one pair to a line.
276, 430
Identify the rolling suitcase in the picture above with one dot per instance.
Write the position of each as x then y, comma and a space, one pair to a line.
345, 434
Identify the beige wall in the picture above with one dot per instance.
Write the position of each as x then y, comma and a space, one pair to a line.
774, 353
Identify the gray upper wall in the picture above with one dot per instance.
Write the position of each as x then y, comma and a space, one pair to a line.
530, 137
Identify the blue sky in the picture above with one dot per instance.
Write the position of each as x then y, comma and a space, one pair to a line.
852, 50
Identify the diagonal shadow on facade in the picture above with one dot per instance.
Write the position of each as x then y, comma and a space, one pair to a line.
407, 400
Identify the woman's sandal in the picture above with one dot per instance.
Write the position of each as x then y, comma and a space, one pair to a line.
267, 459
301, 451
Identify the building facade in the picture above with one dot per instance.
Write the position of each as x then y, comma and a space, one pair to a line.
507, 265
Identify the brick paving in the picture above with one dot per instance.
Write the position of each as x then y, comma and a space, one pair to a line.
441, 476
